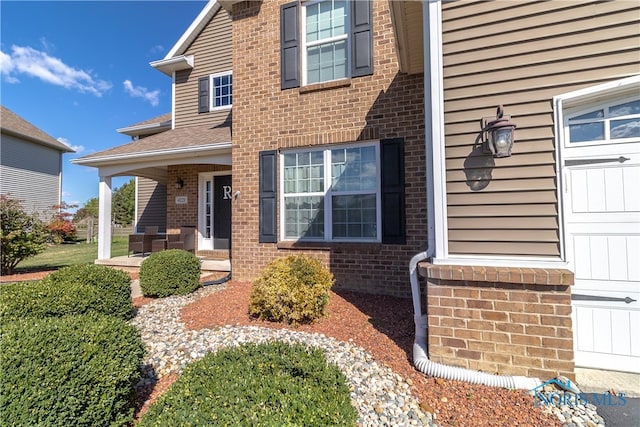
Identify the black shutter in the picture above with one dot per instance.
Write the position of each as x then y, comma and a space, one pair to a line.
203, 94
362, 39
267, 197
289, 46
393, 211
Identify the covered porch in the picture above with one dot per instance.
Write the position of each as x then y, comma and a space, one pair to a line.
187, 163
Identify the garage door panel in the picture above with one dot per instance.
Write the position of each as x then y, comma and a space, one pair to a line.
605, 189
632, 188
606, 257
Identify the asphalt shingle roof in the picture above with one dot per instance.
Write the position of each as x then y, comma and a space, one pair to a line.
11, 123
185, 137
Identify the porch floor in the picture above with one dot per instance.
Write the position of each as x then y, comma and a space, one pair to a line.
134, 261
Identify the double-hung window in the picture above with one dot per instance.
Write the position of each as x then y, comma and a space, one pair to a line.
215, 92
332, 194
326, 41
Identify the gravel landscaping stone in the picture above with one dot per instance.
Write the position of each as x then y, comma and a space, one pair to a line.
381, 397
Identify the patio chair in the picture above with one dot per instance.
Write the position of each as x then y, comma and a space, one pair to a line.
141, 243
185, 240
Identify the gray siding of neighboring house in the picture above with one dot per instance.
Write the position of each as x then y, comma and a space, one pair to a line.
521, 54
30, 172
212, 54
152, 205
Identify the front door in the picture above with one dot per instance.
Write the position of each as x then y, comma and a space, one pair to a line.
215, 212
602, 220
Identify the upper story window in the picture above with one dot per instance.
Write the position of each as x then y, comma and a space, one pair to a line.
215, 92
614, 121
325, 40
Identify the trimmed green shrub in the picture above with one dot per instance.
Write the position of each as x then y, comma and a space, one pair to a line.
294, 289
273, 384
171, 272
69, 371
77, 289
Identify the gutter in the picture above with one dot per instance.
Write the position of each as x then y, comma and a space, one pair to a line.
157, 153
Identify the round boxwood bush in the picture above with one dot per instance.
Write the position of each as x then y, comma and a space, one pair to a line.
69, 371
171, 272
77, 289
294, 289
272, 384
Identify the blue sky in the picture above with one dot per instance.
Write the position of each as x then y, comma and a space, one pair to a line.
79, 70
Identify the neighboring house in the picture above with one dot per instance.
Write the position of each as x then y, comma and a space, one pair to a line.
30, 164
510, 233
355, 131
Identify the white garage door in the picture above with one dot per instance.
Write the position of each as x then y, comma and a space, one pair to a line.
601, 171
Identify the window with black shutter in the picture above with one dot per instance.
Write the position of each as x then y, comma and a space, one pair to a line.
316, 38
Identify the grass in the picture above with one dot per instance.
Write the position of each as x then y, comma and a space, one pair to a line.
58, 256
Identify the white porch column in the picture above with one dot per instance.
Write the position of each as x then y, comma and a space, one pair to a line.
104, 218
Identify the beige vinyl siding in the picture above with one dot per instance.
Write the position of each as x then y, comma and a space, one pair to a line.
152, 205
31, 173
520, 54
212, 54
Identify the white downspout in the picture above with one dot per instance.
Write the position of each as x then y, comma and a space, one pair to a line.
431, 8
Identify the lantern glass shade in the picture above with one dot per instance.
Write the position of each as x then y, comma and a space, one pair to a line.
501, 141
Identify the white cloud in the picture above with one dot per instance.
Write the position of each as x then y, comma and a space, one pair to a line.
142, 92
35, 63
77, 148
157, 49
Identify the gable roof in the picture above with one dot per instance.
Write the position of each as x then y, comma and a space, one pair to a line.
174, 60
13, 124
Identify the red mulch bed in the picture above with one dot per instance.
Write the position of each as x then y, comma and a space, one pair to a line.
383, 325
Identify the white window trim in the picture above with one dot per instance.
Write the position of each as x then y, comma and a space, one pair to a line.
434, 125
327, 193
212, 91
304, 45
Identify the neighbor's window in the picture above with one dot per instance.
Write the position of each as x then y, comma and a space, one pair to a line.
326, 42
619, 120
221, 90
332, 194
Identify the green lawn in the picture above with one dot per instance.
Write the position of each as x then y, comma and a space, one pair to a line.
58, 256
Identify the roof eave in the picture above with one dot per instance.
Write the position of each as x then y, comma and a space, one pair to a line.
59, 146
210, 9
150, 155
147, 129
178, 63
228, 4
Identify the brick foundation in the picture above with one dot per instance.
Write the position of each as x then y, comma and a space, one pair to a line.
509, 321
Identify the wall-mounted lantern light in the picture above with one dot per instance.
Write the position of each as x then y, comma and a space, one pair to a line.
179, 183
498, 134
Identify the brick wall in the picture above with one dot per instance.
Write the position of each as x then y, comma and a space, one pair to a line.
386, 104
508, 321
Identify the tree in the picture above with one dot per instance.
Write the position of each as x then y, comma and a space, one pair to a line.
22, 235
124, 203
61, 227
90, 208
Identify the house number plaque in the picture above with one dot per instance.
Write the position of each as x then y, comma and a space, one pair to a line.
181, 200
